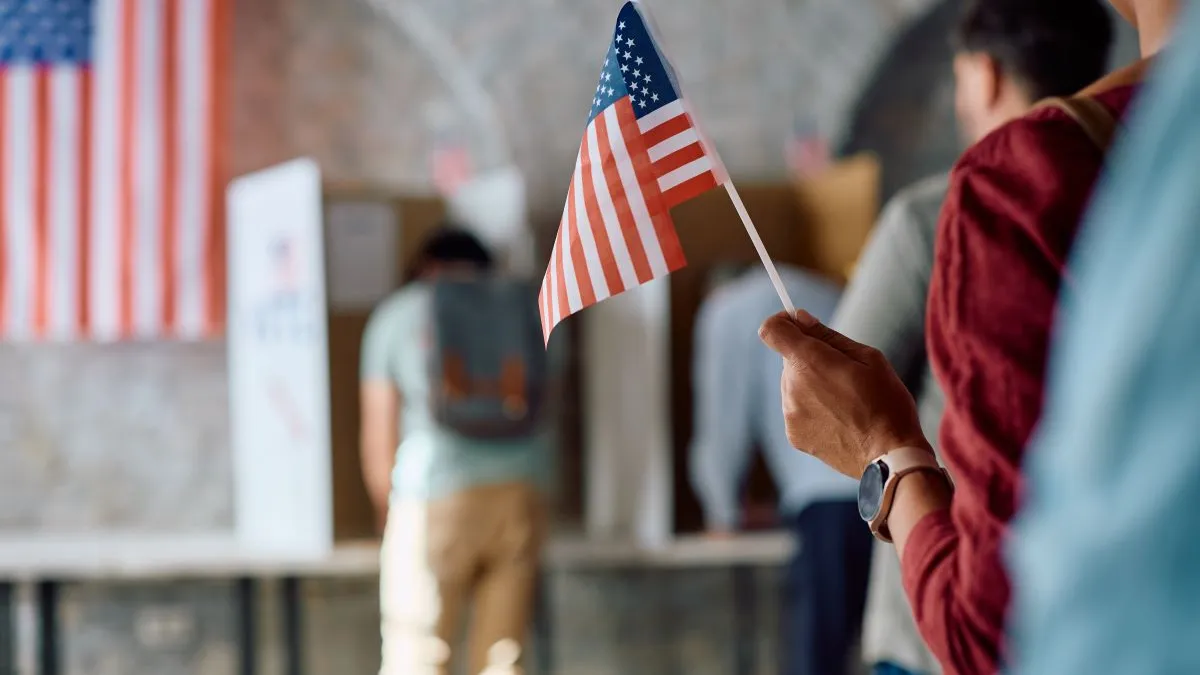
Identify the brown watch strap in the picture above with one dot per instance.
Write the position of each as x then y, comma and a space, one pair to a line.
902, 462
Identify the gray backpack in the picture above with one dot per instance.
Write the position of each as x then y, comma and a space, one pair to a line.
487, 360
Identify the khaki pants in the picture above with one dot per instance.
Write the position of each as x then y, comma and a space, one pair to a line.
477, 549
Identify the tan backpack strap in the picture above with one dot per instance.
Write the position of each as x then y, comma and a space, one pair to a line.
1097, 122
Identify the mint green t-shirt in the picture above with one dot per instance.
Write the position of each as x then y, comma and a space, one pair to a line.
432, 461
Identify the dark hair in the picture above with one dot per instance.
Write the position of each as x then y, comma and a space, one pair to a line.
1053, 47
449, 244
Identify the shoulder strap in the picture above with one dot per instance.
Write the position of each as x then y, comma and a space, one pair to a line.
1097, 122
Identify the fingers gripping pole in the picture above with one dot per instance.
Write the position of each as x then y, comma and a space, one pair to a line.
762, 250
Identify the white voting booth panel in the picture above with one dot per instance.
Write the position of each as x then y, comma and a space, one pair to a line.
278, 361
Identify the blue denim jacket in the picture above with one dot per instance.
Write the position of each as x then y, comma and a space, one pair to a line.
1106, 556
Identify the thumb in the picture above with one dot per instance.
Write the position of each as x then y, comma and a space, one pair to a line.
782, 334
815, 329
785, 335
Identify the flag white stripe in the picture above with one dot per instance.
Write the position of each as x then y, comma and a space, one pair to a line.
19, 193
587, 236
544, 304
555, 310
610, 224
664, 114
104, 284
684, 173
562, 228
674, 144
147, 149
193, 143
633, 194
65, 83
573, 301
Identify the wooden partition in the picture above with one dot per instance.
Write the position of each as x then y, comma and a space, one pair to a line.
353, 517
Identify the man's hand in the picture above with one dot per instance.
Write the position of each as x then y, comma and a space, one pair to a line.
842, 402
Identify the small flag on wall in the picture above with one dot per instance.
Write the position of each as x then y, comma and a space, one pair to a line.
111, 201
641, 155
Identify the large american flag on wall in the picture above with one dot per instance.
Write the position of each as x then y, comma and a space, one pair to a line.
110, 190
642, 154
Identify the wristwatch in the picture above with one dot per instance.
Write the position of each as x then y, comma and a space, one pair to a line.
877, 487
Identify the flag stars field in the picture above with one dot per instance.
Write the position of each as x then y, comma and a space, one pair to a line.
641, 154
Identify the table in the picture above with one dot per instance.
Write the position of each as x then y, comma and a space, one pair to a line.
46, 564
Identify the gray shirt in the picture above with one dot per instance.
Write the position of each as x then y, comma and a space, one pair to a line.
884, 306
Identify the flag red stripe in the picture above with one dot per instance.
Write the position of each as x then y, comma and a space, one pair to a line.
578, 260
608, 261
664, 227
4, 267
170, 133
126, 179
678, 158
668, 129
564, 305
213, 262
41, 201
689, 189
620, 204
84, 205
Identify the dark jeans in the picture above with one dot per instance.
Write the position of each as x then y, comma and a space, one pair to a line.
826, 588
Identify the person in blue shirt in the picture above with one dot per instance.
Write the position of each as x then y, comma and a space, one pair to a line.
1106, 555
738, 405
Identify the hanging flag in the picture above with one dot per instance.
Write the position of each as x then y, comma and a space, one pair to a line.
641, 155
110, 194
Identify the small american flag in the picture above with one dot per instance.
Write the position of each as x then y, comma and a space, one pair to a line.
641, 155
110, 194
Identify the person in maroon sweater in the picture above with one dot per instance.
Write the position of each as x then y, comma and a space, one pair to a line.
1014, 203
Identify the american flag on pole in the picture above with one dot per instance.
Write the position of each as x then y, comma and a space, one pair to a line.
110, 202
641, 155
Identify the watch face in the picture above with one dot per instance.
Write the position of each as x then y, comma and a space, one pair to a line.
870, 490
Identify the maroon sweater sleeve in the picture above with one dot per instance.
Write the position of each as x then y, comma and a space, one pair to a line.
1014, 202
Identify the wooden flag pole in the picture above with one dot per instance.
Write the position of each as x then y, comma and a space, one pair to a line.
762, 250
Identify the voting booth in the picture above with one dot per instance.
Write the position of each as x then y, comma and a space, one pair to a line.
307, 263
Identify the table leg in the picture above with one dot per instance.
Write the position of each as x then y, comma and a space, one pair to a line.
745, 604
543, 624
246, 591
8, 630
48, 637
293, 625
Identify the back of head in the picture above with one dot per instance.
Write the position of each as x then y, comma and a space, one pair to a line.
449, 247
1051, 47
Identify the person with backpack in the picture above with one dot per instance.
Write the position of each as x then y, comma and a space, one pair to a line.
1008, 56
1013, 206
453, 380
